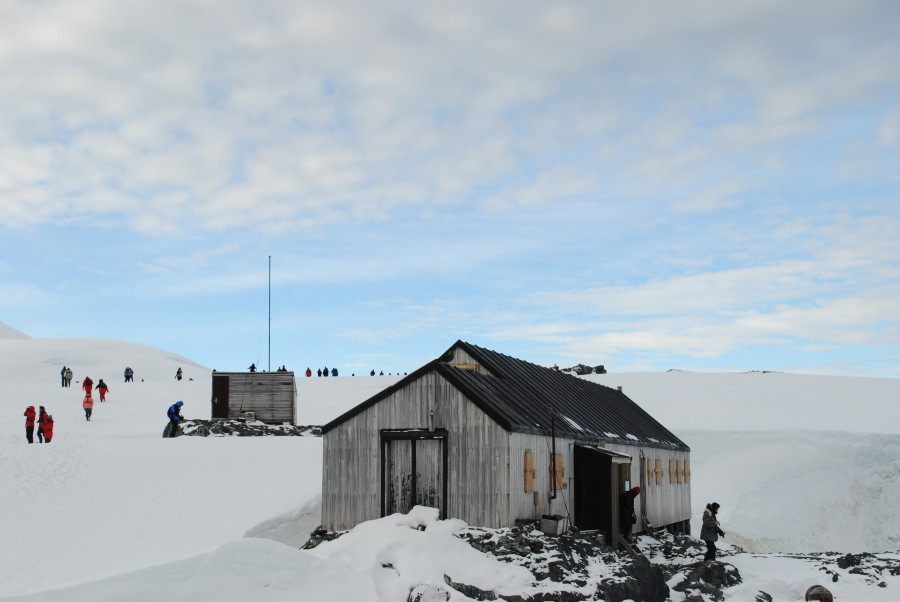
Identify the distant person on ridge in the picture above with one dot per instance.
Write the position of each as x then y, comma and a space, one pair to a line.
252, 368
334, 371
102, 389
372, 373
129, 375
29, 423
69, 376
88, 405
178, 373
319, 372
62, 375
325, 371
710, 531
88, 385
175, 417
308, 372
41, 418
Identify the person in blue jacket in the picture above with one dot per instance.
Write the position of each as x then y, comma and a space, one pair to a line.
175, 417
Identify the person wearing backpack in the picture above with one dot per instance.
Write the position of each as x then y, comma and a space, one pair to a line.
88, 405
48, 429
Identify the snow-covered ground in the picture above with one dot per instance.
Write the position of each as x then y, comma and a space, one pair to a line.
112, 511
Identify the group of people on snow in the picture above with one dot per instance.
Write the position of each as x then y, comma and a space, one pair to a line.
66, 375
44, 422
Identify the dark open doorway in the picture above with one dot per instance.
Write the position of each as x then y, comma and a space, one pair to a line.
600, 477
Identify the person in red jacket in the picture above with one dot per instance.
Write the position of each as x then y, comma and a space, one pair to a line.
48, 428
87, 384
102, 388
88, 405
29, 423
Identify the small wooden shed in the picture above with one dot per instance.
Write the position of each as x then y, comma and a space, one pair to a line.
492, 440
270, 397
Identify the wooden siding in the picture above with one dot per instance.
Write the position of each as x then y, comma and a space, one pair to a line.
666, 503
271, 396
521, 502
477, 447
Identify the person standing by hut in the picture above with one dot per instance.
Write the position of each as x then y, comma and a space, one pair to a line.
102, 389
88, 405
710, 531
69, 375
41, 419
627, 517
29, 424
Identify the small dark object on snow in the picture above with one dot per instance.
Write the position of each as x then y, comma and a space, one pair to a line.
819, 593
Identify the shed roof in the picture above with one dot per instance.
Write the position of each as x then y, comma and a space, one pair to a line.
527, 398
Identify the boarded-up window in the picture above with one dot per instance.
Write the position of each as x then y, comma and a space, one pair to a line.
659, 471
687, 471
558, 472
680, 471
673, 471
530, 472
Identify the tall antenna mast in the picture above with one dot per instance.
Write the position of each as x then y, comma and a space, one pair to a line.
270, 313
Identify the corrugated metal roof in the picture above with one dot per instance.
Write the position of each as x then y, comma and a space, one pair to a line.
525, 397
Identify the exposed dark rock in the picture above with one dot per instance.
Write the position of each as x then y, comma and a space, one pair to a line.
428, 593
470, 591
762, 597
241, 428
708, 578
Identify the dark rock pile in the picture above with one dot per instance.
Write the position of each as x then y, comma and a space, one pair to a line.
241, 428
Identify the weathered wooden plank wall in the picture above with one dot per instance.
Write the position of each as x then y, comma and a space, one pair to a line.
478, 470
270, 395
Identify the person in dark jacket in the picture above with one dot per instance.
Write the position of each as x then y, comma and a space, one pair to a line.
102, 389
710, 531
129, 374
252, 368
334, 372
175, 417
41, 418
62, 375
29, 423
179, 374
627, 517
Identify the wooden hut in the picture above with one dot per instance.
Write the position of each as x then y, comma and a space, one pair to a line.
270, 397
493, 440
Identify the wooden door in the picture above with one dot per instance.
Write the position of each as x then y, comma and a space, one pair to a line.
220, 384
413, 474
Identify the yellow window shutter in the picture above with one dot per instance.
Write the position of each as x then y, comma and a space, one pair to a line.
673, 471
558, 472
681, 471
530, 472
687, 471
658, 471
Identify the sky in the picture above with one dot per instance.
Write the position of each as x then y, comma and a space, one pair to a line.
217, 518
647, 186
